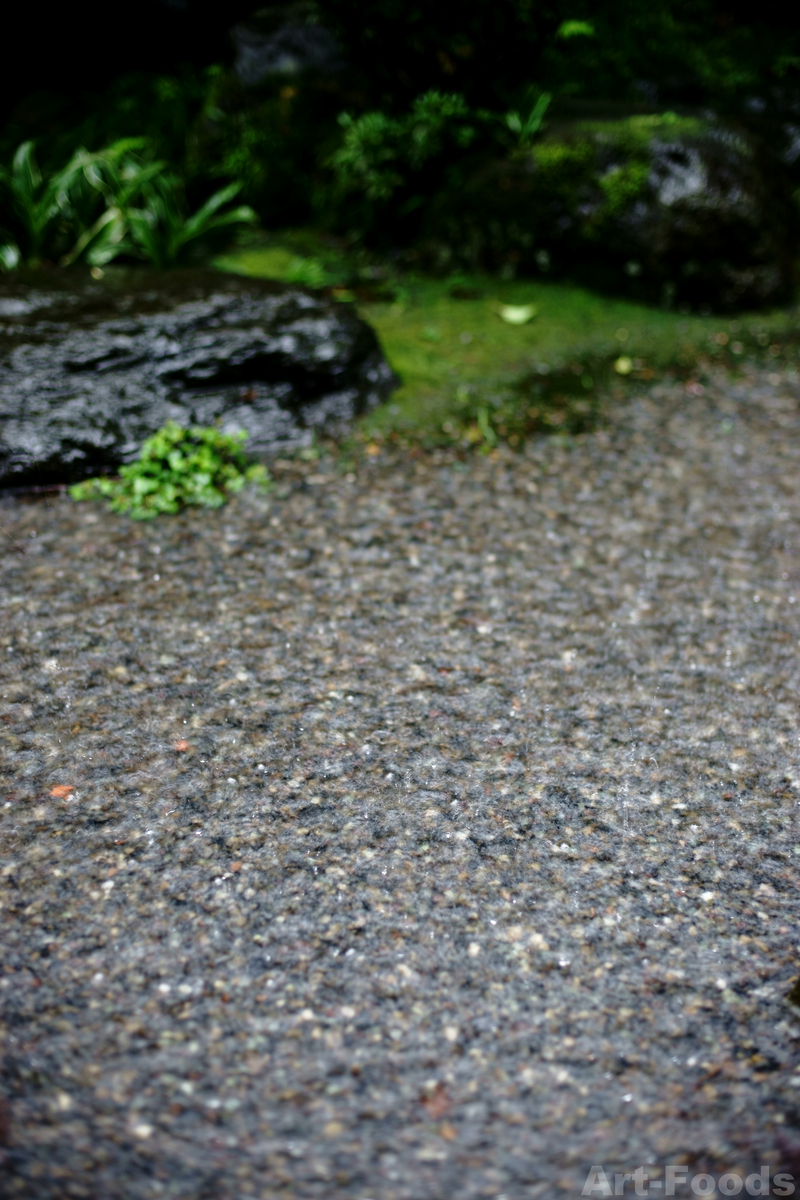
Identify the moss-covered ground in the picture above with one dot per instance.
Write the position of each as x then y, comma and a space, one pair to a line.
463, 366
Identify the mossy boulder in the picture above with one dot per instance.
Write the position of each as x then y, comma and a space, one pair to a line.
677, 210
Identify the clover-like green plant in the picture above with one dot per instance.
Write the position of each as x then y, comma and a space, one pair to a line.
177, 467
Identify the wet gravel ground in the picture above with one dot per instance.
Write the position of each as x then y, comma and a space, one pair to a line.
432, 833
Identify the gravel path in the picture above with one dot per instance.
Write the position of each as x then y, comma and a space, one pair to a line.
432, 834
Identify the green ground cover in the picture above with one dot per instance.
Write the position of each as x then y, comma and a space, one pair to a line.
470, 375
177, 468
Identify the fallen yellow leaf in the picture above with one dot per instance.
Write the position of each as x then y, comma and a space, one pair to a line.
516, 314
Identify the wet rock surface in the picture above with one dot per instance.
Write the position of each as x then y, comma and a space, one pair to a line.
89, 369
427, 833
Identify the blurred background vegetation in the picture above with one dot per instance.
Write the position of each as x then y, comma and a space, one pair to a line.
432, 163
257, 95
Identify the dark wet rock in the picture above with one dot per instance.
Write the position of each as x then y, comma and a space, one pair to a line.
708, 227
89, 369
667, 209
293, 44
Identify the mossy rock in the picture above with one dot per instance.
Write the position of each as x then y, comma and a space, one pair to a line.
677, 210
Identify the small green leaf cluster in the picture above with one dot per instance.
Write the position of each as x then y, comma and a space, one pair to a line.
177, 467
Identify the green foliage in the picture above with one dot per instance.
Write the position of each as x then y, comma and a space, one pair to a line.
35, 211
449, 176
368, 160
684, 51
33, 204
117, 201
177, 467
161, 109
168, 238
394, 173
73, 214
275, 138
527, 128
310, 272
379, 152
571, 29
272, 138
622, 185
117, 177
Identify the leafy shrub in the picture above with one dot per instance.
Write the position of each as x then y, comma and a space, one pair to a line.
177, 467
389, 169
117, 201
117, 177
34, 211
380, 165
378, 150
272, 138
75, 214
661, 207
166, 237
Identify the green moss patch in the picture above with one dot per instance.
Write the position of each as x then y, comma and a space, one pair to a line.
465, 370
